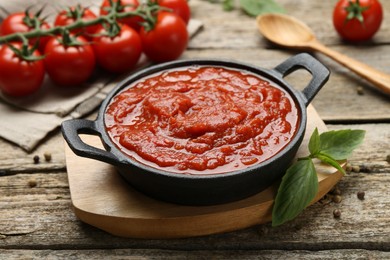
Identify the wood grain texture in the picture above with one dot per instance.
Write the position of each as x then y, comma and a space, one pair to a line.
196, 254
41, 217
222, 29
38, 221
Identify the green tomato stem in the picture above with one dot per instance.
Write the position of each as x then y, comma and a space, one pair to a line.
37, 32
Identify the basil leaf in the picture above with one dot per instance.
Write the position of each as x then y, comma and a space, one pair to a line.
228, 5
257, 7
329, 160
315, 142
340, 144
298, 188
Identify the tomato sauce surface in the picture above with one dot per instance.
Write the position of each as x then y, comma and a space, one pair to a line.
201, 120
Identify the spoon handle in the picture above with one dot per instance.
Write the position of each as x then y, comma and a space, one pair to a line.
379, 79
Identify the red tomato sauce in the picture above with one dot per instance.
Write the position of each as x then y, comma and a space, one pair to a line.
202, 120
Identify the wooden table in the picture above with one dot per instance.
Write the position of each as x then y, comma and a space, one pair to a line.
36, 217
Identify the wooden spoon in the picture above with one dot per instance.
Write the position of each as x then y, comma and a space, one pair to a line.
287, 31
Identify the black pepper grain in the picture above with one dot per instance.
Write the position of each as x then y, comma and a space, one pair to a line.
361, 195
336, 191
336, 213
36, 159
360, 90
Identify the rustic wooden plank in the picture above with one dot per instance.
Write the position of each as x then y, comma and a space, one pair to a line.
373, 155
41, 222
13, 159
41, 217
46, 221
222, 29
215, 254
35, 209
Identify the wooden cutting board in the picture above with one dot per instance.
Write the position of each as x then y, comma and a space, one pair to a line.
101, 198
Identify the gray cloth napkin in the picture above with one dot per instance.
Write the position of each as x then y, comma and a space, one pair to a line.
27, 121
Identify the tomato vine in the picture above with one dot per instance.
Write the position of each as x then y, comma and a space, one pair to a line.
107, 40
147, 12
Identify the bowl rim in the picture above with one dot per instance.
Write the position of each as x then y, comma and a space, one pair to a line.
267, 74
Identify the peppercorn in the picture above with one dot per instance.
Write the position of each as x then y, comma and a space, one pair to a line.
336, 213
360, 90
360, 195
32, 183
47, 156
36, 159
336, 191
356, 168
337, 199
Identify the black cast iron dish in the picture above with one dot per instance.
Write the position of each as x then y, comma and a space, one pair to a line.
202, 189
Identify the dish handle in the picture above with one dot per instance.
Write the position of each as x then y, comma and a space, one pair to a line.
320, 73
71, 130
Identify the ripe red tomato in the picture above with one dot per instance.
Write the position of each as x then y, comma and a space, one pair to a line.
167, 40
69, 65
15, 23
356, 20
125, 6
120, 53
69, 16
19, 77
179, 7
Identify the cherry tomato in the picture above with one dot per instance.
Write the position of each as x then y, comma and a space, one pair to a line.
179, 7
126, 6
69, 16
15, 23
167, 40
120, 53
69, 65
19, 77
356, 20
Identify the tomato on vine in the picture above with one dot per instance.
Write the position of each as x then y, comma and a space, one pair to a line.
69, 63
73, 14
22, 22
20, 76
178, 7
123, 6
167, 39
357, 20
118, 52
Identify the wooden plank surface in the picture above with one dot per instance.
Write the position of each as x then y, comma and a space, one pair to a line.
196, 254
36, 217
41, 216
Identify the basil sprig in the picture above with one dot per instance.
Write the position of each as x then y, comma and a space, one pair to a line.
252, 7
299, 185
258, 7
